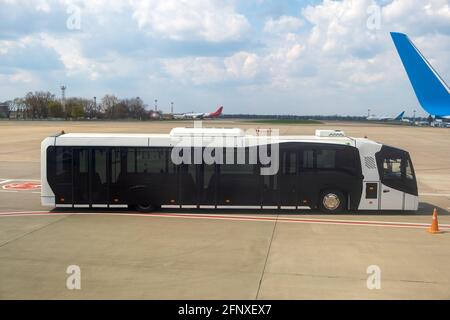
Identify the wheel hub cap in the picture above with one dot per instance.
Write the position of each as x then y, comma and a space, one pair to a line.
331, 201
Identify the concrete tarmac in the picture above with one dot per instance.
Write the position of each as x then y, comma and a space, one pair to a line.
227, 254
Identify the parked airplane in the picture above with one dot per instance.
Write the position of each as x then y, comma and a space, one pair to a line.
201, 115
386, 118
430, 89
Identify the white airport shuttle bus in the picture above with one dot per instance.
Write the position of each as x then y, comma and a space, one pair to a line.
328, 171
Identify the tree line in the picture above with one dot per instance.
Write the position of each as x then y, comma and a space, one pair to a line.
44, 105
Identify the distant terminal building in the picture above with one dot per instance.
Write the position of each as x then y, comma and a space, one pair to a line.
4, 110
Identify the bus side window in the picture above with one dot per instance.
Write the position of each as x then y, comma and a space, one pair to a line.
170, 166
289, 163
392, 168
63, 170
408, 169
81, 158
142, 160
345, 160
157, 160
99, 158
115, 165
326, 159
308, 159
208, 172
131, 160
151, 160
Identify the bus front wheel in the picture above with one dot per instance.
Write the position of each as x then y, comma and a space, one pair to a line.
332, 201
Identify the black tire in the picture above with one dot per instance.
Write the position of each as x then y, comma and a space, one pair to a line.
145, 208
332, 201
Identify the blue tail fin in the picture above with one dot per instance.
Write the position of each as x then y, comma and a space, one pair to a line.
400, 116
431, 90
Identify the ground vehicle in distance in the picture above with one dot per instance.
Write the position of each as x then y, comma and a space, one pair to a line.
327, 171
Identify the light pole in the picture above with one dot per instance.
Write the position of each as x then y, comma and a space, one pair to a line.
414, 116
94, 110
368, 113
63, 97
156, 105
171, 107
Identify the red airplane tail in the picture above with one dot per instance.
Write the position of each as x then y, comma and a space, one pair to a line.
216, 113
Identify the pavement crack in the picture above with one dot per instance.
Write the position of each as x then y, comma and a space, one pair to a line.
324, 276
267, 256
32, 231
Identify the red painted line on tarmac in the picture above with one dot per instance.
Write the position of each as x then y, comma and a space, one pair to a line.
6, 213
235, 218
22, 186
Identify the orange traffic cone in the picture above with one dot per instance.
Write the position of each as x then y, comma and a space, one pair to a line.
434, 224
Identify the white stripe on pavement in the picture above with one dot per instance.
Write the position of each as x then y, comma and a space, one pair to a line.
255, 218
13, 179
434, 194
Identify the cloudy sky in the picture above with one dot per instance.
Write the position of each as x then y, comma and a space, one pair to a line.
253, 56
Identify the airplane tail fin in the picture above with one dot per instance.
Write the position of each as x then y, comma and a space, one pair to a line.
400, 116
217, 113
431, 90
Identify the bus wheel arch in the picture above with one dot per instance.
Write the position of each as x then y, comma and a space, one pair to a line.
143, 207
332, 200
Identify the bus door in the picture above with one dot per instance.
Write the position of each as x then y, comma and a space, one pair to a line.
397, 178
99, 176
288, 181
238, 180
60, 173
188, 177
269, 185
81, 193
395, 175
90, 178
207, 184
391, 198
269, 192
307, 177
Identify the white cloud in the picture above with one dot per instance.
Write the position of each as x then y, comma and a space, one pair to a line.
70, 54
196, 70
209, 20
242, 65
18, 77
339, 60
202, 70
339, 27
418, 17
21, 76
283, 24
324, 55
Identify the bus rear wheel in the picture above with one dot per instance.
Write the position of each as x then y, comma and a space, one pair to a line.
145, 208
332, 201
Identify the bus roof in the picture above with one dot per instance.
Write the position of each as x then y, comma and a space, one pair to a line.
143, 139
327, 135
